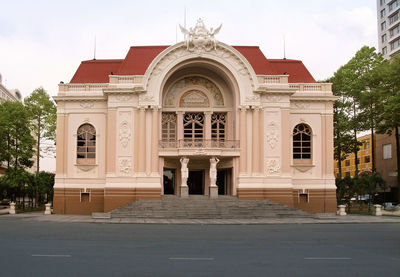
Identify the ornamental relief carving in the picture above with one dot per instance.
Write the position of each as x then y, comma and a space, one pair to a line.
125, 165
273, 98
123, 97
302, 104
272, 134
170, 99
144, 98
272, 166
124, 133
194, 98
87, 105
253, 99
182, 52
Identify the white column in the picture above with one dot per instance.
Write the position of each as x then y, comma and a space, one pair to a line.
179, 126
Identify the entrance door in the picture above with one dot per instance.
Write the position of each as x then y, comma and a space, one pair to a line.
221, 181
195, 182
169, 181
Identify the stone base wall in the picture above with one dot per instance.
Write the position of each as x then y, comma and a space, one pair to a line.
282, 196
314, 201
115, 198
73, 201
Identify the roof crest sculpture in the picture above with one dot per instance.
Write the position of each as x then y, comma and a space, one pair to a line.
200, 38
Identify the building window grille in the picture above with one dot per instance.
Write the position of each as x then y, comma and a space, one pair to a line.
302, 143
218, 123
86, 144
168, 128
193, 127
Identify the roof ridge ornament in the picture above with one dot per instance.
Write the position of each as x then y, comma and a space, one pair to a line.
200, 38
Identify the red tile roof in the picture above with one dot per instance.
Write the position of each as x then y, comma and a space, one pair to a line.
95, 71
139, 58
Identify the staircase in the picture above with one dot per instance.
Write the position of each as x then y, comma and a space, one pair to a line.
202, 207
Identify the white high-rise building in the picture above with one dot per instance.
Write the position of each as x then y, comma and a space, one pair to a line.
389, 27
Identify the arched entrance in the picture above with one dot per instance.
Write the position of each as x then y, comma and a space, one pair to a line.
199, 122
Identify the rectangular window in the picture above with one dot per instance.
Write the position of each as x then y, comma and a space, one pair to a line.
394, 18
384, 38
387, 151
358, 160
218, 128
383, 13
366, 145
347, 173
347, 162
393, 5
384, 50
367, 159
193, 129
382, 2
395, 44
168, 129
394, 31
383, 26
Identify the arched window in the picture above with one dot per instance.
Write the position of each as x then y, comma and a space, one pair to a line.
86, 144
302, 144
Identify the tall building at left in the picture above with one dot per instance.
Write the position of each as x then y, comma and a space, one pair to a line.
388, 27
9, 94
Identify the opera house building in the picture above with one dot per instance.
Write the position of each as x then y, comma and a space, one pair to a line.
196, 118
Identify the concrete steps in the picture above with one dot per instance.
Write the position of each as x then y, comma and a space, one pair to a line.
202, 207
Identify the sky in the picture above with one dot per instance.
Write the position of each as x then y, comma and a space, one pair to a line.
42, 42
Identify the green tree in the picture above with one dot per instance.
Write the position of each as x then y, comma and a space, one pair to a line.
17, 141
345, 86
16, 147
389, 117
368, 61
42, 111
342, 128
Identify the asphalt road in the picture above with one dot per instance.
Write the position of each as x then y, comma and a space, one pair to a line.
82, 249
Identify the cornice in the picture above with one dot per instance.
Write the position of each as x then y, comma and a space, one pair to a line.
131, 90
74, 98
275, 90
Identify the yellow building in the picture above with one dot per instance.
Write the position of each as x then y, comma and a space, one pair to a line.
364, 159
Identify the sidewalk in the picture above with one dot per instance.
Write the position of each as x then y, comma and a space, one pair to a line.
317, 219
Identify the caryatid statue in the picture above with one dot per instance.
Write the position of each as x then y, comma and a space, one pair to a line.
184, 170
213, 171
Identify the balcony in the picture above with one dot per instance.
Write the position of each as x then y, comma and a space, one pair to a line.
199, 147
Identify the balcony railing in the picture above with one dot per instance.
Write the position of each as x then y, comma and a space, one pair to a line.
198, 143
